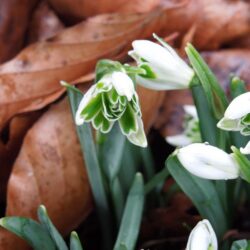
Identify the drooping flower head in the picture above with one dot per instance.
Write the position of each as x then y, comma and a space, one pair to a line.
208, 162
237, 115
113, 98
202, 237
164, 69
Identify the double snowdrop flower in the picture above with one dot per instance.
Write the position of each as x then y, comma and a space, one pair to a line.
165, 70
202, 237
208, 162
191, 133
237, 115
113, 98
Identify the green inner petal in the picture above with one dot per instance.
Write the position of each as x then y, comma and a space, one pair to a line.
246, 120
92, 108
245, 131
128, 121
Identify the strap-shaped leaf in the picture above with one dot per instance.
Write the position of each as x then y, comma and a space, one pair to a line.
48, 225
214, 93
202, 193
97, 182
132, 215
29, 230
75, 243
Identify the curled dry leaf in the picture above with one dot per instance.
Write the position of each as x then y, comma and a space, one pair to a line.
222, 63
44, 23
14, 16
50, 170
31, 80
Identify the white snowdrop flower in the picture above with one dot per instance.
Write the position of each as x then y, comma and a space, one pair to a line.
202, 237
165, 70
237, 115
208, 162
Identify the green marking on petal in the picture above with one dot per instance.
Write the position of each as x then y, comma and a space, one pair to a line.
113, 96
128, 122
92, 108
246, 120
149, 72
245, 131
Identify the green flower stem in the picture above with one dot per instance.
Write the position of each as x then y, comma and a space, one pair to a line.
118, 199
95, 176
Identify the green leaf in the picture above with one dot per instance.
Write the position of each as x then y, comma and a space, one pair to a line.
132, 216
97, 182
130, 163
75, 243
29, 230
243, 163
241, 245
118, 199
207, 122
214, 93
48, 225
202, 193
110, 152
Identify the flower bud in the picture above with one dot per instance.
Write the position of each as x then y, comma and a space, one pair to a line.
202, 237
208, 162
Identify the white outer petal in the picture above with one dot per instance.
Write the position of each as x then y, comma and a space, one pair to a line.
202, 236
191, 110
246, 149
208, 162
239, 107
123, 84
139, 138
178, 140
85, 100
164, 61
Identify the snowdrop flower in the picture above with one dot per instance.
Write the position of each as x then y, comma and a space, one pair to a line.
113, 98
208, 162
165, 70
202, 237
246, 149
237, 115
191, 131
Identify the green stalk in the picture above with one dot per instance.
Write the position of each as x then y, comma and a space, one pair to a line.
95, 176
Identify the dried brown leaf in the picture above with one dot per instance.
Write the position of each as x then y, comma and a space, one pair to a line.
50, 170
14, 17
44, 23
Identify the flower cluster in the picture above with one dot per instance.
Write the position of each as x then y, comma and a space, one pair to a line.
113, 98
